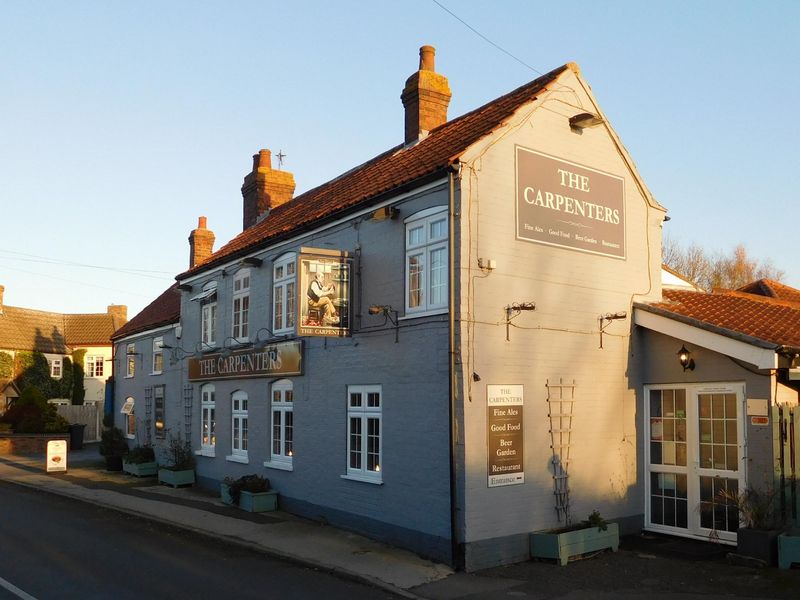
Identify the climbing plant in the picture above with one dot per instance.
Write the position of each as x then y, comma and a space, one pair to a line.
78, 391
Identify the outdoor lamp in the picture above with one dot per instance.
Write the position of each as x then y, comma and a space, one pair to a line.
685, 358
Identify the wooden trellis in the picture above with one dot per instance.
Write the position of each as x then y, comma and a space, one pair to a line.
560, 401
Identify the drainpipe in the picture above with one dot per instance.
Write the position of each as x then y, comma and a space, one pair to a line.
455, 538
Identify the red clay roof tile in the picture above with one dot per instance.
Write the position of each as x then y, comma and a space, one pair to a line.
164, 310
387, 172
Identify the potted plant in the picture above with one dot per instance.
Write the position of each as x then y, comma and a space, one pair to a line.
140, 461
178, 467
591, 535
113, 446
250, 493
760, 522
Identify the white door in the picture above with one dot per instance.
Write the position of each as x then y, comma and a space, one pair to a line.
694, 449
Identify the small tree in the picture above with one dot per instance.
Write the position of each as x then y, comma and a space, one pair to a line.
78, 390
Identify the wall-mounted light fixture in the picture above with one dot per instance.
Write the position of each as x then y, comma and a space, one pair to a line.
389, 314
585, 120
252, 261
513, 311
271, 336
685, 358
385, 212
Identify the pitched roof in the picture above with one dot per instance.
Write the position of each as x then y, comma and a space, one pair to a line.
768, 322
772, 289
164, 310
387, 172
54, 333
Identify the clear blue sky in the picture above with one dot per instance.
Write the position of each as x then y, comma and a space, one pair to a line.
122, 122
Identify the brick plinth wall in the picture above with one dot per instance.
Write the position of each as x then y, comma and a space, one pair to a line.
27, 443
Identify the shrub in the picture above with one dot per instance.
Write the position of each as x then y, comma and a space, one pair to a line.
140, 454
30, 413
179, 455
113, 442
246, 483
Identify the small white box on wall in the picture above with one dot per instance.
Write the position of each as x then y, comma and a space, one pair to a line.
757, 407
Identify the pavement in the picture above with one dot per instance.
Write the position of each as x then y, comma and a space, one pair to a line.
646, 567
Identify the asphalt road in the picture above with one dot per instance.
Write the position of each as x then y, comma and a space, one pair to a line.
54, 547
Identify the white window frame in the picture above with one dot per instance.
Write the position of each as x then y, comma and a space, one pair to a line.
284, 303
239, 427
422, 249
160, 424
129, 410
56, 368
362, 414
208, 420
130, 360
282, 426
240, 306
208, 315
158, 356
94, 365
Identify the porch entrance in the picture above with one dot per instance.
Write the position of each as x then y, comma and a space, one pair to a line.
695, 448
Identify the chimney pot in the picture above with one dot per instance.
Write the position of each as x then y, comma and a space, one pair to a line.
201, 222
427, 56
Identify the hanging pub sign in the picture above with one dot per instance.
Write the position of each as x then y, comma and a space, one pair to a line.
273, 360
324, 293
505, 435
560, 203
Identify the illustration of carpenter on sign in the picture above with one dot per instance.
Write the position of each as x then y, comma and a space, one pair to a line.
324, 296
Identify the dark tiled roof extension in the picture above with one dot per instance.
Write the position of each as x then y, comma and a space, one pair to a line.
387, 172
164, 310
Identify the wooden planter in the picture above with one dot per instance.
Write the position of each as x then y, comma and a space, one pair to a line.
147, 469
761, 544
259, 501
562, 545
251, 501
788, 549
176, 478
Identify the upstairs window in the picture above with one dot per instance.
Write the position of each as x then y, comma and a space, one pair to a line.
241, 304
158, 355
426, 261
130, 360
208, 316
284, 293
55, 368
94, 366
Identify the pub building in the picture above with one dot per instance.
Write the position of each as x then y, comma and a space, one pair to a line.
464, 340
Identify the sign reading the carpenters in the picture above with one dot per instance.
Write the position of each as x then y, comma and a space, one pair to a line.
560, 203
281, 358
505, 434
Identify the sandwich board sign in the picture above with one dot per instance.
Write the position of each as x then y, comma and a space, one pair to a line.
56, 456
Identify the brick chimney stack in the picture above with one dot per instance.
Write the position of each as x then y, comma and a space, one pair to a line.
118, 314
425, 97
201, 243
264, 189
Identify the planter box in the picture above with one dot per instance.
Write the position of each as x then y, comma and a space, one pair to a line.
176, 478
788, 549
147, 469
259, 502
113, 463
249, 501
761, 544
562, 545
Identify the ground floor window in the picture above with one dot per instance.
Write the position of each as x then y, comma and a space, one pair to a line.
128, 409
364, 416
239, 424
159, 411
208, 436
282, 423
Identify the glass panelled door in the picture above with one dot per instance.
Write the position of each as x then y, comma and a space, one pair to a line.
694, 450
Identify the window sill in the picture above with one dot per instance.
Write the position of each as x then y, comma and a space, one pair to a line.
427, 313
208, 453
237, 459
363, 479
280, 466
130, 436
156, 373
